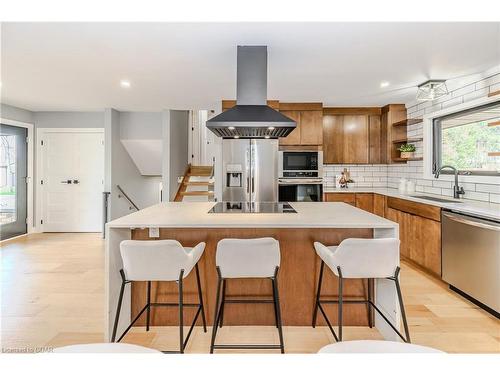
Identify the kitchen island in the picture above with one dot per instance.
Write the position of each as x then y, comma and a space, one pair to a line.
191, 223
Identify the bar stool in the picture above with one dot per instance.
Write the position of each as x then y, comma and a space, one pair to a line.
163, 260
247, 259
359, 258
375, 346
106, 348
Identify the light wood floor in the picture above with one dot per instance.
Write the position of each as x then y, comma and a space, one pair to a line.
52, 289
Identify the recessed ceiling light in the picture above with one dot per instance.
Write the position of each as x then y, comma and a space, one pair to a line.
125, 84
384, 84
270, 128
230, 127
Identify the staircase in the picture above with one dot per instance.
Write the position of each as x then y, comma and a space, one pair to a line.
197, 185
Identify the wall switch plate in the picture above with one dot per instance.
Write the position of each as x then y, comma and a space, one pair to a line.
154, 232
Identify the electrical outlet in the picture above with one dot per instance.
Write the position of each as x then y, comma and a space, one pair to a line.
154, 232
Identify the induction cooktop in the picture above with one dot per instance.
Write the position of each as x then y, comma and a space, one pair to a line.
252, 207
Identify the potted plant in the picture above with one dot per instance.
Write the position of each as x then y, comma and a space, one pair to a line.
407, 150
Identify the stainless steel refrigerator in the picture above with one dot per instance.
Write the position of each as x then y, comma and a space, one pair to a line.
250, 170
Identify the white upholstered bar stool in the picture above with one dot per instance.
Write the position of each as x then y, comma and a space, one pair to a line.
162, 260
375, 346
360, 258
105, 348
257, 258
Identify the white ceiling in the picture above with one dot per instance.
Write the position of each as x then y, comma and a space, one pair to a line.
78, 66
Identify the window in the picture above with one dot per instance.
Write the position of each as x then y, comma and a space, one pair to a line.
469, 140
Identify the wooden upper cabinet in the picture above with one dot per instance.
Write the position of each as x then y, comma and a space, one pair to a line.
311, 127
309, 118
333, 139
356, 139
375, 140
294, 137
345, 139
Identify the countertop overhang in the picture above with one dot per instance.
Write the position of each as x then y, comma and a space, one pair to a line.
195, 215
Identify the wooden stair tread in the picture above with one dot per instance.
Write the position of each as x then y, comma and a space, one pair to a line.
198, 183
194, 193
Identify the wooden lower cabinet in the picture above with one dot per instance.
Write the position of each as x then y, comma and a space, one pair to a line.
419, 225
379, 204
365, 201
349, 198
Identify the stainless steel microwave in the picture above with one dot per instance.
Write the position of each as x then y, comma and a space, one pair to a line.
300, 164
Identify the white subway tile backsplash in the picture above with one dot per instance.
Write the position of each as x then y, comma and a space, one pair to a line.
487, 188
432, 190
442, 184
495, 198
477, 196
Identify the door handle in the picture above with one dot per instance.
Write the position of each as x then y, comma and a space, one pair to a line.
66, 182
76, 182
248, 185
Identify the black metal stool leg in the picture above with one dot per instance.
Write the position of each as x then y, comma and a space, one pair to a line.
278, 309
341, 282
318, 294
148, 311
223, 304
200, 297
370, 313
401, 305
181, 313
274, 304
217, 311
119, 307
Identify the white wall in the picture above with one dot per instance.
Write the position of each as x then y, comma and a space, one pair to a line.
175, 145
15, 113
140, 125
121, 170
69, 119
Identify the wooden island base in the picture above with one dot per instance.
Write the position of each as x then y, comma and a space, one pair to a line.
297, 278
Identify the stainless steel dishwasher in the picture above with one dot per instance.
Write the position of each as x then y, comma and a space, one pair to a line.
471, 258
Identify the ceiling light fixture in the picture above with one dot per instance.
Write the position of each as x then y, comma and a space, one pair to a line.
384, 84
125, 84
431, 89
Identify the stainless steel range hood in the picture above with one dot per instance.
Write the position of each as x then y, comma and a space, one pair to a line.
251, 117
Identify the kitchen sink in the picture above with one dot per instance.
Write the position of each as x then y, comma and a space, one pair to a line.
435, 199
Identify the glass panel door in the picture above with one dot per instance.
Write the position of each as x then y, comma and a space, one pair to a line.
13, 172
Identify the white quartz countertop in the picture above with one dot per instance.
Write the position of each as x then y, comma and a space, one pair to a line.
195, 215
467, 206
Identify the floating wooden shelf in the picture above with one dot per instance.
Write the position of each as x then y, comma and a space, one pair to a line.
410, 159
494, 123
408, 140
408, 121
493, 153
494, 93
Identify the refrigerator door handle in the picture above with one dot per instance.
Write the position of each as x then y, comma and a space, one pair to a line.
253, 185
248, 185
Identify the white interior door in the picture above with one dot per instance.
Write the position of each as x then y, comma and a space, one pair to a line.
73, 181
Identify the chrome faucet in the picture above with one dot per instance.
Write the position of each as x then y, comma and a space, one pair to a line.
457, 190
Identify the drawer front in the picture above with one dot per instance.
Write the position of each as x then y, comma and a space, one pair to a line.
419, 209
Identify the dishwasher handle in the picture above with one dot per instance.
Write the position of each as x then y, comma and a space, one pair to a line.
472, 221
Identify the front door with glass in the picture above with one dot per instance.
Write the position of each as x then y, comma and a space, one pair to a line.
13, 173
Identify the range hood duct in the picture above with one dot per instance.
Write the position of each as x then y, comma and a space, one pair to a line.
251, 117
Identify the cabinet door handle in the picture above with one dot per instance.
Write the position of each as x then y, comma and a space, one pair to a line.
76, 182
66, 182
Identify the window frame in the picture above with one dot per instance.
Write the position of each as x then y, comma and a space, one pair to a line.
437, 141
